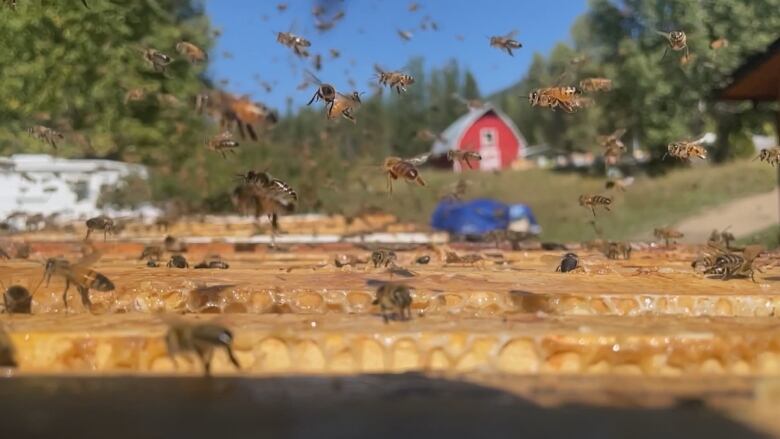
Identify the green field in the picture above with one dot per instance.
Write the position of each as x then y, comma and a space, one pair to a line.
648, 203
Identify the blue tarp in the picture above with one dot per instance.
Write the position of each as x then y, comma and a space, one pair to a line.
476, 217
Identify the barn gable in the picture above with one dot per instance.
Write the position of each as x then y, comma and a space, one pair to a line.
452, 137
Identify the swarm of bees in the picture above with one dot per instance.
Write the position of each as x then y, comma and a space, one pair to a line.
770, 155
687, 149
80, 275
506, 42
45, 134
394, 79
593, 201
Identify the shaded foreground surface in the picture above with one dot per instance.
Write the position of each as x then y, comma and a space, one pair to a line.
405, 405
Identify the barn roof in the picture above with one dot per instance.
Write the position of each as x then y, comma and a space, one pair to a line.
758, 79
452, 135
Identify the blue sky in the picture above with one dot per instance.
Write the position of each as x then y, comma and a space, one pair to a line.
247, 49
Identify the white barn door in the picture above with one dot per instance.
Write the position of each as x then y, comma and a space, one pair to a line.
488, 148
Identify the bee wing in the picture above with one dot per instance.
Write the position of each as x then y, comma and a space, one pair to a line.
420, 159
376, 282
618, 133
311, 77
663, 34
511, 35
751, 252
551, 261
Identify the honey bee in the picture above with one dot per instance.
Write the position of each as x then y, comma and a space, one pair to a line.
193, 53
334, 53
685, 149
405, 34
569, 262
426, 135
7, 350
423, 260
267, 196
472, 104
413, 7
317, 62
393, 79
16, 299
667, 234
613, 146
103, 223
174, 245
719, 43
770, 155
619, 183
281, 7
617, 250
595, 200
213, 263
45, 134
383, 258
295, 42
200, 339
595, 84
222, 142
326, 92
156, 59
506, 42
394, 300
677, 41
396, 168
177, 261
460, 155
567, 98
344, 105
78, 274
729, 265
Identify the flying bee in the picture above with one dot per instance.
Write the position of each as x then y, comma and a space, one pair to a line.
405, 34
103, 223
158, 60
383, 258
667, 234
396, 168
719, 43
394, 300
569, 262
413, 7
295, 42
222, 142
686, 149
326, 92
394, 79
177, 261
267, 196
460, 156
770, 155
193, 53
729, 265
281, 7
7, 350
45, 134
200, 339
613, 146
506, 42
78, 274
591, 85
151, 252
16, 299
344, 105
677, 41
334, 53
619, 183
426, 135
565, 97
317, 62
593, 201
471, 104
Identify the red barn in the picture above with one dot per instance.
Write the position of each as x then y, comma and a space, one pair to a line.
486, 130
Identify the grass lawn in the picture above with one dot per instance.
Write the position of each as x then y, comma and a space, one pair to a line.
648, 203
769, 238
